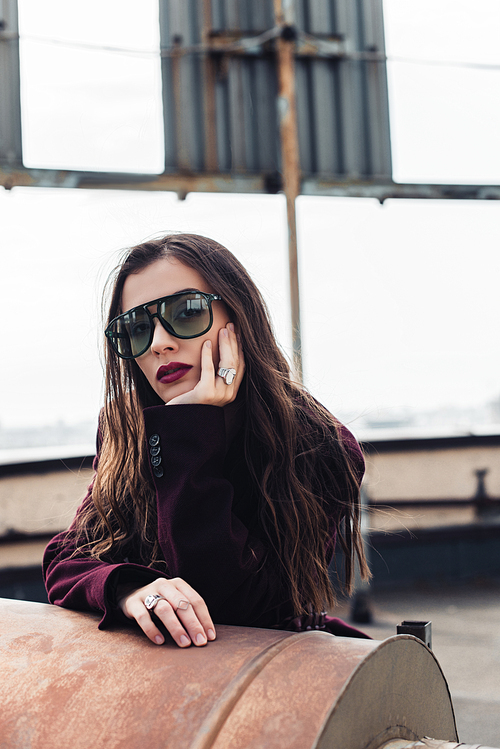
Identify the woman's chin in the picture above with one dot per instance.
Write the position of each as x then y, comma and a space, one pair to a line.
169, 392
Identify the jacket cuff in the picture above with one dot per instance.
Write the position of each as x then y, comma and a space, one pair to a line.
123, 574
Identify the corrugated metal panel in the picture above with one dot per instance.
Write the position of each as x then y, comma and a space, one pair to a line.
342, 105
240, 90
252, 16
10, 105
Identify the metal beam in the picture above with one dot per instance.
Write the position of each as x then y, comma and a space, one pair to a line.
11, 177
382, 190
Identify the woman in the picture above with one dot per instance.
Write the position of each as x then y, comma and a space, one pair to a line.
220, 485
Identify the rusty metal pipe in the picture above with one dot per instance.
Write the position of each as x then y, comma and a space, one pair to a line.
64, 681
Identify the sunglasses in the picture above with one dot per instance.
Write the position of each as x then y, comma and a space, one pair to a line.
184, 315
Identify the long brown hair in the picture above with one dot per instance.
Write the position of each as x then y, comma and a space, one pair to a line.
293, 446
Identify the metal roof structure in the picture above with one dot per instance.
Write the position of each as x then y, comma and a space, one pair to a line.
259, 96
222, 109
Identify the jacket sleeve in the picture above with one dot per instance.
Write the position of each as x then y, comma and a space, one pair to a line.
87, 584
76, 581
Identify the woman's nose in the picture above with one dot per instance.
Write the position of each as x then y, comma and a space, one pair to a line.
163, 340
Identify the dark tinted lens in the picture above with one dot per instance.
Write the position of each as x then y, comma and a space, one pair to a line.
118, 335
138, 326
188, 315
130, 333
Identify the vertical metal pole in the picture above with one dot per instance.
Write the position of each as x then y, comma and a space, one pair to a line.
287, 116
211, 162
183, 161
10, 96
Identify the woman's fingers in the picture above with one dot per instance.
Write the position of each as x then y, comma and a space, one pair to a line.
192, 605
136, 610
184, 626
203, 391
231, 357
211, 388
185, 612
180, 609
238, 359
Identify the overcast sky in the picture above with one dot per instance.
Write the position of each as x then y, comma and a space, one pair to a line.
399, 302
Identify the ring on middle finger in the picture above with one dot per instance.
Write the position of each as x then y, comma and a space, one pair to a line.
183, 605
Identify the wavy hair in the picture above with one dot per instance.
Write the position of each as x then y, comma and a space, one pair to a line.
293, 447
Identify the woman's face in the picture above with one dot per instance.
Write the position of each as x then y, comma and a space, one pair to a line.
171, 365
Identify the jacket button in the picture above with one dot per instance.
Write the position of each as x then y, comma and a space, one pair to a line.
154, 440
158, 471
156, 460
154, 450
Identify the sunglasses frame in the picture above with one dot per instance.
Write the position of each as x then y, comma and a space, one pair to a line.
111, 336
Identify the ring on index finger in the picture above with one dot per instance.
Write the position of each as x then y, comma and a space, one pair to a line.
183, 605
227, 373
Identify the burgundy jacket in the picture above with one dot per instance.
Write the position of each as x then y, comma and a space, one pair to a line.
208, 531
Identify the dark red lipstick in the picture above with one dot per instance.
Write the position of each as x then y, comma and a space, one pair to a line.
172, 372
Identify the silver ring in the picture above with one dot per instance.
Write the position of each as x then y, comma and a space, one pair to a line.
151, 601
227, 373
183, 605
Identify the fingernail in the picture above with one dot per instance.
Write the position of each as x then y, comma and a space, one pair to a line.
185, 641
208, 344
231, 327
225, 332
200, 639
211, 634
159, 639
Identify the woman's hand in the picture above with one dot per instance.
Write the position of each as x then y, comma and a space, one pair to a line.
183, 612
212, 389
